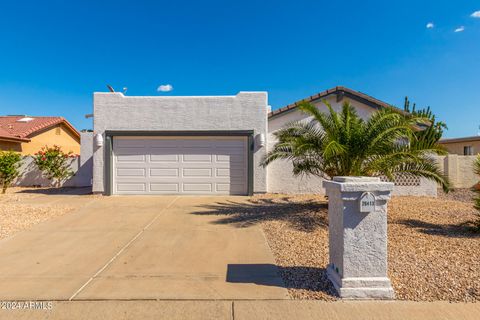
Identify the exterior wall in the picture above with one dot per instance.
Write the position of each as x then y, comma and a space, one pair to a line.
81, 166
459, 170
245, 111
7, 145
280, 178
426, 188
84, 175
49, 137
457, 147
30, 176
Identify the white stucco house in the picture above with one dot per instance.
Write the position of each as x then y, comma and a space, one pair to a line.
206, 144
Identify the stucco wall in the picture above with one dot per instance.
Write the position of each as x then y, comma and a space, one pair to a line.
459, 170
63, 137
245, 111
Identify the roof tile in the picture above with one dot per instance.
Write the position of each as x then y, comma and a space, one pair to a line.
10, 128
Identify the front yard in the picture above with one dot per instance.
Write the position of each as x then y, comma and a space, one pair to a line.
20, 209
433, 255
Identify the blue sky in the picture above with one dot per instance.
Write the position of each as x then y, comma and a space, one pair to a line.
55, 54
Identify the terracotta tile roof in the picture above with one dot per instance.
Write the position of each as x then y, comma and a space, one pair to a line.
11, 128
4, 135
341, 91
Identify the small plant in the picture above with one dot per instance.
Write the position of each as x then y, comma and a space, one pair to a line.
476, 168
54, 164
9, 163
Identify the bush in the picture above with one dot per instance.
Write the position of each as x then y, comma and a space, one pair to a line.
54, 164
9, 163
476, 168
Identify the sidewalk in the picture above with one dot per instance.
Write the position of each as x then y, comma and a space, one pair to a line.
247, 310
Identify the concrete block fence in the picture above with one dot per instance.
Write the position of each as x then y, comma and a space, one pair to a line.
81, 166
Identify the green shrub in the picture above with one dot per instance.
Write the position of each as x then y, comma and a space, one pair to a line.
54, 164
9, 163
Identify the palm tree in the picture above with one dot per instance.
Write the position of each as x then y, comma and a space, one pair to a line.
343, 144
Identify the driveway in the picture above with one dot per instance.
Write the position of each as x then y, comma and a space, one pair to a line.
138, 247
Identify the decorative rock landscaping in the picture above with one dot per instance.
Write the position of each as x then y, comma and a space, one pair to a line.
432, 252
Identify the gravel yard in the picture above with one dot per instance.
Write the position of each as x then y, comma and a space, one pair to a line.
433, 254
20, 211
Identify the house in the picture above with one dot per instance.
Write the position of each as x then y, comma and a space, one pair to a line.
466, 146
206, 145
179, 145
27, 134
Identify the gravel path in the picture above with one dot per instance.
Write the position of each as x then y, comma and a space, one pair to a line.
16, 216
433, 254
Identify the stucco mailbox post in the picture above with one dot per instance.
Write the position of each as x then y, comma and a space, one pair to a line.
357, 215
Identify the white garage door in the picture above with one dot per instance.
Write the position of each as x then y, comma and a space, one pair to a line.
180, 165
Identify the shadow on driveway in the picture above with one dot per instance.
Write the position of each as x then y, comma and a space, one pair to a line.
69, 191
306, 278
303, 216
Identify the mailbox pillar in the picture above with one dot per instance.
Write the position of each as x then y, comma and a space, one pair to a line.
357, 218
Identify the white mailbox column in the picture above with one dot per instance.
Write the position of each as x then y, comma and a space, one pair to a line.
357, 218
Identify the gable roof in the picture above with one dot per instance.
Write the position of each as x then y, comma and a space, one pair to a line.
12, 129
340, 92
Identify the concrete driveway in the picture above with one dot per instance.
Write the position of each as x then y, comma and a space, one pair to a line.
140, 247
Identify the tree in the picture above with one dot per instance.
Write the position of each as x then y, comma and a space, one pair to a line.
9, 163
54, 164
476, 168
342, 144
432, 131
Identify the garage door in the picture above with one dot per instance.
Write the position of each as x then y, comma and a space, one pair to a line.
180, 165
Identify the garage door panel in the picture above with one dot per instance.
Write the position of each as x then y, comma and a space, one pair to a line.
230, 158
164, 187
129, 143
130, 172
197, 172
230, 188
197, 187
233, 173
130, 157
197, 158
131, 187
164, 172
164, 158
176, 165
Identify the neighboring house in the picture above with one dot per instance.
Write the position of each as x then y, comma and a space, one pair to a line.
467, 146
28, 134
206, 145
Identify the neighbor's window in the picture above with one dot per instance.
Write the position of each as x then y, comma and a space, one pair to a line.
468, 151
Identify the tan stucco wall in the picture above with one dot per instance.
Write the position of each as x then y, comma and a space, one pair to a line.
459, 170
7, 145
457, 147
49, 137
